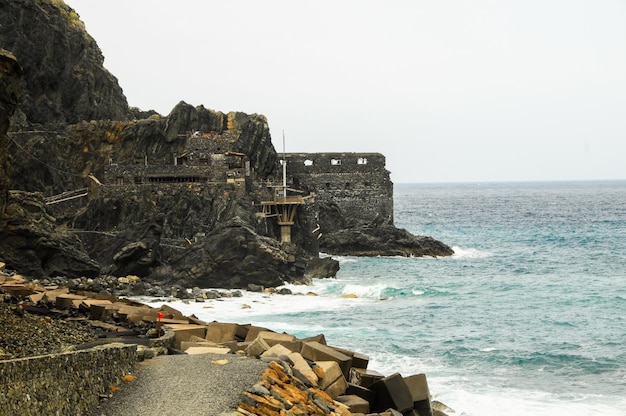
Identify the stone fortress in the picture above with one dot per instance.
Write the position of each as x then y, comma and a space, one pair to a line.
356, 185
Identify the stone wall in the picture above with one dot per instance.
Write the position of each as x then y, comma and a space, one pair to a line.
63, 384
357, 183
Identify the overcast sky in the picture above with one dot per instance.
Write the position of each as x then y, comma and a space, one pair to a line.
449, 91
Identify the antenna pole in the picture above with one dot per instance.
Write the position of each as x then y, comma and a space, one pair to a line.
284, 168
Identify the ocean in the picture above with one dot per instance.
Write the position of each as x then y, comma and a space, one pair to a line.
527, 318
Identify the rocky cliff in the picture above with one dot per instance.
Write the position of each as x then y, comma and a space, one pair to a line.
101, 188
64, 78
10, 94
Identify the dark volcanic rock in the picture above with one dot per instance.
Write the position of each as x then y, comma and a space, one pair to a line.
233, 257
322, 268
176, 194
382, 240
32, 245
10, 93
135, 251
64, 78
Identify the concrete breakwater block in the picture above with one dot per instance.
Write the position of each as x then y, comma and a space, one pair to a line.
364, 377
207, 350
392, 392
222, 332
420, 394
253, 332
102, 312
184, 332
362, 392
257, 347
359, 360
333, 382
68, 301
354, 403
315, 351
304, 376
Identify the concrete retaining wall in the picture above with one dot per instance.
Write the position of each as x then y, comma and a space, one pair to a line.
63, 384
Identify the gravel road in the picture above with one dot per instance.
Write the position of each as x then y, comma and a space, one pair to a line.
184, 385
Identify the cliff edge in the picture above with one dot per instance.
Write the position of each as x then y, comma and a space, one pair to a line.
191, 198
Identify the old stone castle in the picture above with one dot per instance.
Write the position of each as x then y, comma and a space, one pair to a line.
356, 185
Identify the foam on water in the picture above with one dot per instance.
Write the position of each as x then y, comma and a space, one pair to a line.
527, 318
469, 253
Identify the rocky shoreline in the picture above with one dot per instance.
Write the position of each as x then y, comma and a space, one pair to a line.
304, 376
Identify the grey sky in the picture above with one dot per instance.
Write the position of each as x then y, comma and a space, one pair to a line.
447, 90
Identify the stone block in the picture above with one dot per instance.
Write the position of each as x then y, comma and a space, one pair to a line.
420, 394
231, 345
242, 332
277, 350
331, 371
362, 392
354, 403
68, 301
315, 351
337, 388
257, 347
392, 393
293, 346
18, 290
184, 345
221, 332
129, 313
207, 350
194, 320
363, 377
359, 360
152, 318
51, 295
300, 364
102, 312
183, 332
275, 337
36, 297
316, 338
87, 303
253, 332
170, 313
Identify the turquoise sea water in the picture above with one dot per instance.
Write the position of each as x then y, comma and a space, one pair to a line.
527, 318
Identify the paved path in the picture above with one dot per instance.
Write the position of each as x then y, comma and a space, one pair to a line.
184, 385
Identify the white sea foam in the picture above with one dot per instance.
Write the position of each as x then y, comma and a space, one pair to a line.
498, 401
253, 305
365, 291
469, 253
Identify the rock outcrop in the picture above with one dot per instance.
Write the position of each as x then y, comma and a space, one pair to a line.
383, 240
10, 94
31, 242
64, 78
120, 191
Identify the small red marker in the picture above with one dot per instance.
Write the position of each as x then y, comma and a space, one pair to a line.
160, 316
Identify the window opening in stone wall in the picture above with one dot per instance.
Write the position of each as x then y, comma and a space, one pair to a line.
335, 162
203, 161
308, 162
174, 179
119, 180
138, 179
347, 185
361, 161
